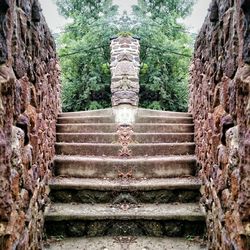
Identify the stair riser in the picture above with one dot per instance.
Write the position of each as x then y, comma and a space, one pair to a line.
163, 128
101, 112
109, 138
111, 196
110, 119
178, 120
153, 228
113, 150
154, 169
141, 112
70, 120
112, 128
86, 128
148, 112
87, 138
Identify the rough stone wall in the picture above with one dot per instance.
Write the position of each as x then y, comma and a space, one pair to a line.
29, 103
220, 103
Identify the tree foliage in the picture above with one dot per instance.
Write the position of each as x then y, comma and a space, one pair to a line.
84, 52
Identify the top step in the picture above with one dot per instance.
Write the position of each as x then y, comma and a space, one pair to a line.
98, 112
109, 112
111, 119
152, 112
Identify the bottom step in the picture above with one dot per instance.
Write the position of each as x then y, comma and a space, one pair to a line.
125, 243
172, 220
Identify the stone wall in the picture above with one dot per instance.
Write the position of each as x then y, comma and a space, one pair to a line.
29, 103
220, 104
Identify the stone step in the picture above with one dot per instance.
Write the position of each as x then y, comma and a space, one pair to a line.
87, 137
86, 128
80, 190
163, 128
140, 167
125, 243
107, 149
111, 119
164, 119
186, 183
151, 112
124, 219
136, 137
140, 112
85, 119
68, 212
97, 112
111, 128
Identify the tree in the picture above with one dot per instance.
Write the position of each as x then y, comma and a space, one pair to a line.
84, 52
165, 53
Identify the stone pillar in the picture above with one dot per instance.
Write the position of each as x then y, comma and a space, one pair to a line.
125, 67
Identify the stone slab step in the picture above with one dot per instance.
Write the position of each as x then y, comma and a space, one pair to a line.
125, 243
87, 137
163, 128
86, 128
149, 112
186, 183
111, 128
113, 137
64, 212
163, 137
141, 112
164, 119
107, 149
80, 190
111, 119
97, 112
85, 119
140, 167
124, 219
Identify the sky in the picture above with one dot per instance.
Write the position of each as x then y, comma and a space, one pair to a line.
193, 22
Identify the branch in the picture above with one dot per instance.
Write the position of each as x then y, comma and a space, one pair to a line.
83, 50
166, 50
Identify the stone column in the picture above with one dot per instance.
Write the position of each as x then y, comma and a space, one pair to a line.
125, 67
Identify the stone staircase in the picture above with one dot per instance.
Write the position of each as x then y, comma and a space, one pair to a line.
124, 187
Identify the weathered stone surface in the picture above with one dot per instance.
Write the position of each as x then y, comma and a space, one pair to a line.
220, 104
125, 67
135, 243
29, 103
104, 219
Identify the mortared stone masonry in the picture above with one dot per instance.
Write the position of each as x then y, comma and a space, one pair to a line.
220, 104
29, 104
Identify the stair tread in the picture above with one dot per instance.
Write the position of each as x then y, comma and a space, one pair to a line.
187, 183
107, 110
164, 116
112, 127
135, 125
130, 145
138, 116
140, 110
181, 211
110, 166
83, 117
131, 159
114, 133
128, 243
